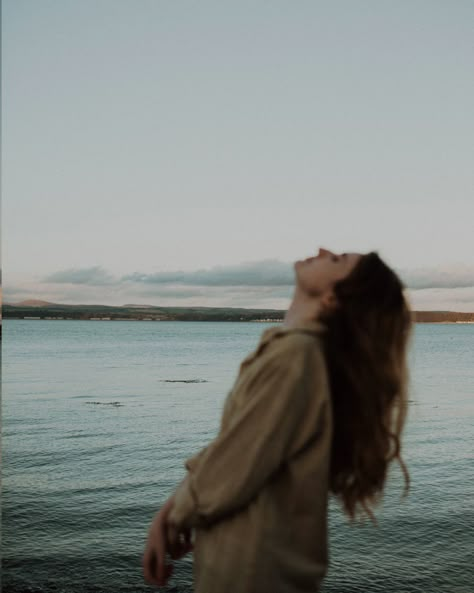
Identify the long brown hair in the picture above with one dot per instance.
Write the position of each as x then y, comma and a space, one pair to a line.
365, 344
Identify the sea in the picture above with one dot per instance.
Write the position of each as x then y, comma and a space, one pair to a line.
98, 418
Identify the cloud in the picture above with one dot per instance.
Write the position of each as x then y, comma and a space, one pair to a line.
260, 284
458, 276
13, 294
260, 273
265, 273
95, 276
223, 294
249, 297
442, 299
272, 273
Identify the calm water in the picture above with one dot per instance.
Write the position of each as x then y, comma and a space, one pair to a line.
97, 422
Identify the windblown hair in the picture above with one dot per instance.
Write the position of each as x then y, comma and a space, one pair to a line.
366, 344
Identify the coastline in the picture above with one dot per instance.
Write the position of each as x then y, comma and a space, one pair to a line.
36, 310
35, 318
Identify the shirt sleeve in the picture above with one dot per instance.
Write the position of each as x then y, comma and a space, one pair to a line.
194, 460
231, 470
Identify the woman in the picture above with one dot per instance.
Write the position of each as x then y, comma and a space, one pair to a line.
318, 408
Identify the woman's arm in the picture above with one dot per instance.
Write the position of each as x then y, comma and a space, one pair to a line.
257, 439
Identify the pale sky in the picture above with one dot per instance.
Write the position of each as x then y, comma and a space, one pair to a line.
187, 153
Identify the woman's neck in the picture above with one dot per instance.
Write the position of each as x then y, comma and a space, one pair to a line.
302, 308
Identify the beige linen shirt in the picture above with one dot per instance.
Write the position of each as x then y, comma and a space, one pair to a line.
257, 494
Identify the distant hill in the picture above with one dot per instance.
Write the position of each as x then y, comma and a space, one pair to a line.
38, 309
442, 317
25, 310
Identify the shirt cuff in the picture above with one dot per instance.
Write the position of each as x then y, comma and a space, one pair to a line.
184, 513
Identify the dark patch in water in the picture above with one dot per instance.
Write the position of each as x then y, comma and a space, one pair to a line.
87, 435
116, 404
184, 381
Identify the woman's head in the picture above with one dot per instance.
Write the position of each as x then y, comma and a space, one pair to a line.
316, 276
368, 324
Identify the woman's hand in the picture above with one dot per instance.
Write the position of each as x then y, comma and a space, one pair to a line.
178, 543
163, 538
155, 569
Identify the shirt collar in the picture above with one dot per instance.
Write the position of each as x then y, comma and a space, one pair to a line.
312, 327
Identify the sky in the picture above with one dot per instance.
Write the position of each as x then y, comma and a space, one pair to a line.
187, 153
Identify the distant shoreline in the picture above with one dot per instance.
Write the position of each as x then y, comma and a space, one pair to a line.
207, 320
58, 312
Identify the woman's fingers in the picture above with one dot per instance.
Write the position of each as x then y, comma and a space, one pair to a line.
178, 542
163, 570
188, 534
186, 543
150, 566
147, 565
172, 540
164, 538
155, 569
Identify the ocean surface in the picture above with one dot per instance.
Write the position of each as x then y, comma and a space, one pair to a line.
99, 417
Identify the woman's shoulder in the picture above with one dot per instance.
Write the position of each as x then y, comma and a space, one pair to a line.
296, 340
293, 349
281, 345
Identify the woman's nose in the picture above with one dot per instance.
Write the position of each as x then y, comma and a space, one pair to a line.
323, 251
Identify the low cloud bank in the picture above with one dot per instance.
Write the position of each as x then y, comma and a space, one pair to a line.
266, 273
262, 273
263, 284
442, 277
94, 276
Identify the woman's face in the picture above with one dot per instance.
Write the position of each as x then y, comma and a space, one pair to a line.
317, 275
